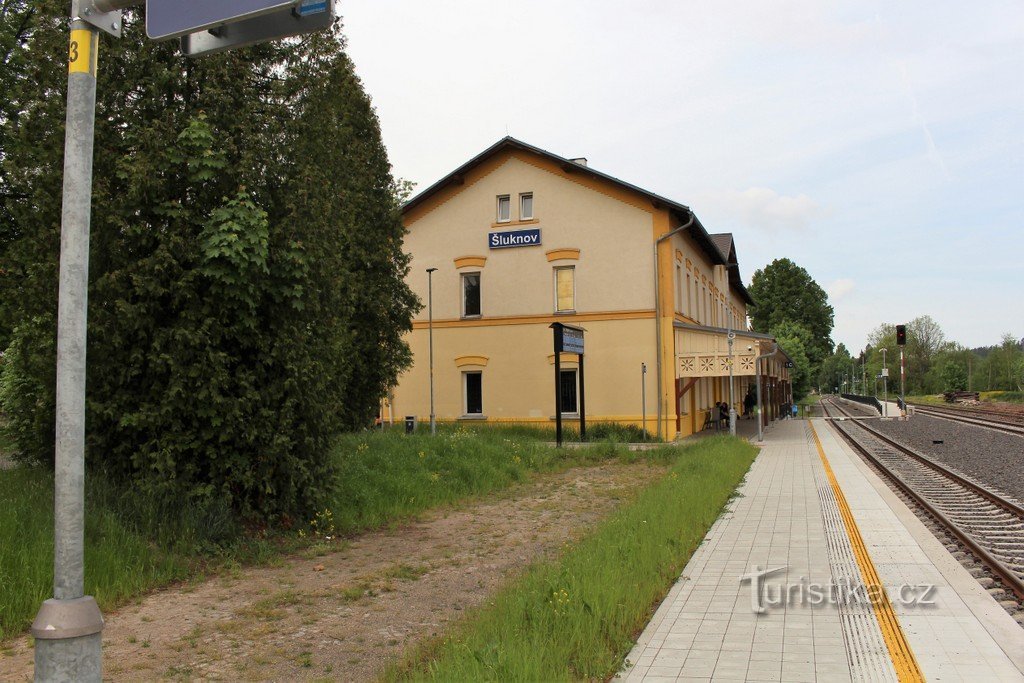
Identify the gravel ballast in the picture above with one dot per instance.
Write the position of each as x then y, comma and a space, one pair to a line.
991, 458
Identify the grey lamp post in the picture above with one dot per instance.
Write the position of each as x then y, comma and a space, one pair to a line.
430, 334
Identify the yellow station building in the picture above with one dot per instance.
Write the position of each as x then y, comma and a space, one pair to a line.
522, 238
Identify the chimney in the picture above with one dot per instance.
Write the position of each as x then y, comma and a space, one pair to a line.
582, 161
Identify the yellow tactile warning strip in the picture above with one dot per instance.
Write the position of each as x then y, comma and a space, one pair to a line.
902, 656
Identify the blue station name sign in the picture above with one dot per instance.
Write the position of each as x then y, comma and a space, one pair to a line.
514, 238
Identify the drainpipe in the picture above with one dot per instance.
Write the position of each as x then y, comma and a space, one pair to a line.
757, 370
657, 317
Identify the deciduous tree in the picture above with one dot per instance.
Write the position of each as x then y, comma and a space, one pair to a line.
785, 292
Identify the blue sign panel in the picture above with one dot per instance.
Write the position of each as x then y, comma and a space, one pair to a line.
514, 238
572, 340
173, 18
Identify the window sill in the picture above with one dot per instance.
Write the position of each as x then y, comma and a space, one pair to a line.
505, 224
566, 416
471, 317
475, 416
573, 312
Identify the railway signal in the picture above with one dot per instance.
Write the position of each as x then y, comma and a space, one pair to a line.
68, 626
901, 341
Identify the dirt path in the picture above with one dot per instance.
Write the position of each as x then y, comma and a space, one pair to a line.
348, 614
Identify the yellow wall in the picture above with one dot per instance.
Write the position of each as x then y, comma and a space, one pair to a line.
607, 233
601, 230
518, 378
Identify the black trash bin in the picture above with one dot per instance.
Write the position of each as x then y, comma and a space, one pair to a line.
410, 424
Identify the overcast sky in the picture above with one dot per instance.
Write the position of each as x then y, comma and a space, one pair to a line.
880, 145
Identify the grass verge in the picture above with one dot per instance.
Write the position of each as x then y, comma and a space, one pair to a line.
577, 617
134, 545
389, 476
1003, 396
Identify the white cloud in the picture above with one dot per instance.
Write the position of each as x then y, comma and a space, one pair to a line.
763, 208
838, 289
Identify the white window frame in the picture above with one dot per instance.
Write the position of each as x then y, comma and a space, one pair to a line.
576, 375
507, 198
462, 293
522, 214
554, 275
465, 393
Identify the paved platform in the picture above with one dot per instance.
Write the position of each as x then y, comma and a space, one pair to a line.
811, 533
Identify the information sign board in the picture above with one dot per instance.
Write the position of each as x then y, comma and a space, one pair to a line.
572, 340
513, 238
175, 18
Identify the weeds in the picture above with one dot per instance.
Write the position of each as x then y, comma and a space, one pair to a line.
135, 544
575, 618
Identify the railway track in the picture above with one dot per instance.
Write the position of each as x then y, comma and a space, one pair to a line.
999, 421
988, 525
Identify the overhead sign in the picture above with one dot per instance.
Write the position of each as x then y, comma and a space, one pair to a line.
514, 238
294, 19
174, 18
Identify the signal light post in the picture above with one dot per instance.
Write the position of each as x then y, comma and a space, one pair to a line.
901, 341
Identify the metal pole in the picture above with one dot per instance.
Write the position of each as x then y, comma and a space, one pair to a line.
583, 403
558, 386
430, 334
731, 336
760, 407
68, 626
885, 385
903, 377
643, 399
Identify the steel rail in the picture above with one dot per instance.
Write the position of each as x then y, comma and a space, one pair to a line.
989, 495
1007, 576
974, 419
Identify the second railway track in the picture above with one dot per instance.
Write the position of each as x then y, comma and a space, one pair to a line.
1000, 422
987, 524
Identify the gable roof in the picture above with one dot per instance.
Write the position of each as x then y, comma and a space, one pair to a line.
724, 242
716, 255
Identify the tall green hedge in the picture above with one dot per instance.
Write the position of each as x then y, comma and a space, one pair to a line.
247, 300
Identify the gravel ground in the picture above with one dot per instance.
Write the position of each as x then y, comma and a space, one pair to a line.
991, 458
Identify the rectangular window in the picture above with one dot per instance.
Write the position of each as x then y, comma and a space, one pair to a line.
568, 386
565, 289
679, 288
526, 206
504, 208
689, 299
473, 390
470, 295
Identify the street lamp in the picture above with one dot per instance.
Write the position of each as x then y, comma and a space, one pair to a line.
430, 335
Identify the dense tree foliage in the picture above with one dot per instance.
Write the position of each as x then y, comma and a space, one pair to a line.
247, 300
794, 340
784, 292
794, 309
